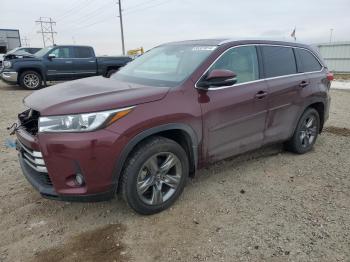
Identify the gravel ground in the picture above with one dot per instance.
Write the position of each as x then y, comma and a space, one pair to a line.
267, 205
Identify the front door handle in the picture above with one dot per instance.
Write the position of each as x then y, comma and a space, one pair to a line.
304, 84
261, 94
69, 62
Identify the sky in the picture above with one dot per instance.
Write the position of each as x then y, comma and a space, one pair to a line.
148, 23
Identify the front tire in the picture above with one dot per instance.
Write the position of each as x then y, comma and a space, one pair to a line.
30, 80
154, 175
306, 132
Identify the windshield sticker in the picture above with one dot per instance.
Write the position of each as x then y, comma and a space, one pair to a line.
203, 48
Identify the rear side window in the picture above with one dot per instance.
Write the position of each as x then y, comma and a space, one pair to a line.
83, 52
241, 60
278, 61
307, 62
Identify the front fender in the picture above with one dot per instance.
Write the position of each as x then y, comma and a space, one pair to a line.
29, 65
147, 133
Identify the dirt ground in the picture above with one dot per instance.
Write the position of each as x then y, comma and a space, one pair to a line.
267, 205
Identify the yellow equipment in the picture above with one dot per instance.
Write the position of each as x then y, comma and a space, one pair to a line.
136, 52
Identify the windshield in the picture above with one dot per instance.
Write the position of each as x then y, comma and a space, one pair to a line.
166, 65
43, 51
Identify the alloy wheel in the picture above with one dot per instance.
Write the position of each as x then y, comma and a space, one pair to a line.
159, 178
31, 81
308, 131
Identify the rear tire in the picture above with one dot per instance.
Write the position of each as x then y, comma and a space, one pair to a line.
111, 72
30, 80
306, 132
154, 175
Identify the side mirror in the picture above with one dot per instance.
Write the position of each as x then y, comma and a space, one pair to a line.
218, 77
51, 56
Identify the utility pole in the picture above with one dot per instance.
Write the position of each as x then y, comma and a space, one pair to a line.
330, 37
25, 41
52, 22
46, 26
121, 25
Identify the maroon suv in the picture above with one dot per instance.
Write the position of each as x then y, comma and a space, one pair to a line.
175, 109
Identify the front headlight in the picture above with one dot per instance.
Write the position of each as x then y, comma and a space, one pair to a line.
7, 64
81, 122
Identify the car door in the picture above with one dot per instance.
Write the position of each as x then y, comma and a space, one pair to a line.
284, 87
59, 67
234, 116
84, 62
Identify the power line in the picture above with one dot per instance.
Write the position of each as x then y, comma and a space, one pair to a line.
141, 4
78, 4
75, 9
46, 29
147, 7
96, 13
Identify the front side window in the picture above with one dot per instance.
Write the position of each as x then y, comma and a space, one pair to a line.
62, 52
278, 61
43, 51
243, 61
307, 61
166, 65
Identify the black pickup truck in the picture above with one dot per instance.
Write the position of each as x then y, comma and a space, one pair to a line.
55, 63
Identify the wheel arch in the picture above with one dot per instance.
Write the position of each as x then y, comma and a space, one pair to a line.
320, 108
174, 131
35, 69
318, 105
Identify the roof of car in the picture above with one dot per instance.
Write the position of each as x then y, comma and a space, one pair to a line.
224, 41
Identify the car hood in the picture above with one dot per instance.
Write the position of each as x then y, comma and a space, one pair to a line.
20, 55
91, 94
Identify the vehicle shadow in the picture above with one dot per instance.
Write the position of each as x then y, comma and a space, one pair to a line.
238, 161
6, 87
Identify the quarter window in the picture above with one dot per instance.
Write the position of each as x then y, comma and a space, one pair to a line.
307, 61
278, 61
243, 61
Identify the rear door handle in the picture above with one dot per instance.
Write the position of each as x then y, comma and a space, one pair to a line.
261, 94
304, 84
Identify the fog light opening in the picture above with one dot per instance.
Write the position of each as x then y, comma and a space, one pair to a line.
79, 179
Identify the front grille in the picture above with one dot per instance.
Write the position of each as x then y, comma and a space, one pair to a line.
34, 159
29, 120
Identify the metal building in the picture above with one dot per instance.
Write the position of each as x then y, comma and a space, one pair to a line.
9, 39
336, 56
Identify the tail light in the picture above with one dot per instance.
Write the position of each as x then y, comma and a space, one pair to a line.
330, 76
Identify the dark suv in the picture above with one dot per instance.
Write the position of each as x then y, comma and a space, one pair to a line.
175, 109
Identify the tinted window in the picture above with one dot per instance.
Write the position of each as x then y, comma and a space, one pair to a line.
307, 61
83, 52
33, 50
278, 61
241, 60
62, 52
